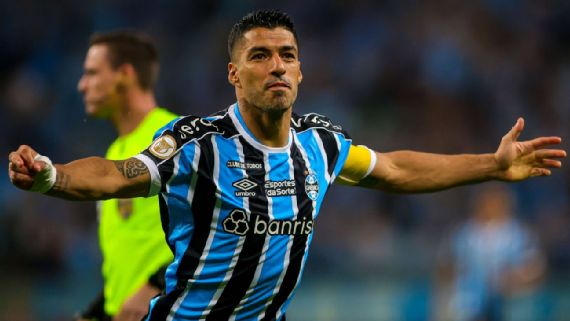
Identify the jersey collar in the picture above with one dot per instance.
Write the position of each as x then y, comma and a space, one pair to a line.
241, 127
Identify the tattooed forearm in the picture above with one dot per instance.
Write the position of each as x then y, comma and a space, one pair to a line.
61, 182
131, 168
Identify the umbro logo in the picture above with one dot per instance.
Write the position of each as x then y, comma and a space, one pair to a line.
244, 185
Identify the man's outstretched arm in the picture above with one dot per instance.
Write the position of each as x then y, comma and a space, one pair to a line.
416, 172
91, 178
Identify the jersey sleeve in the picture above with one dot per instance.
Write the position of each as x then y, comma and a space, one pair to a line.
163, 147
332, 139
359, 163
168, 142
344, 143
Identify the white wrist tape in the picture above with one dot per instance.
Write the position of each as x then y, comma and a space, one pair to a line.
45, 179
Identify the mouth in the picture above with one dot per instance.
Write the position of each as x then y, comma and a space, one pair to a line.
278, 85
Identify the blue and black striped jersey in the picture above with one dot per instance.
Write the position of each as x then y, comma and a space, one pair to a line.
238, 215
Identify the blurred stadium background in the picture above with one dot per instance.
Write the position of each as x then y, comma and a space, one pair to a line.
441, 76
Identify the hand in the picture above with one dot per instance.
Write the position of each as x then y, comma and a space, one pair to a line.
22, 167
520, 160
136, 307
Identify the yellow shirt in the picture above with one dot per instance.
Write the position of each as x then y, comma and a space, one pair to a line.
130, 231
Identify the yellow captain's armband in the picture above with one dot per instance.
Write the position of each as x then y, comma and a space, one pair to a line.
358, 165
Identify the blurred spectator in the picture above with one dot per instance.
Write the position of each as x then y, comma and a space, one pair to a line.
489, 259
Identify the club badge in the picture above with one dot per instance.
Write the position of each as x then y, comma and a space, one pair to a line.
312, 186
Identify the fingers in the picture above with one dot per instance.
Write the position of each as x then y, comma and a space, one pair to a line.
540, 172
22, 161
16, 160
544, 141
17, 165
550, 153
21, 180
517, 129
27, 155
38, 166
551, 163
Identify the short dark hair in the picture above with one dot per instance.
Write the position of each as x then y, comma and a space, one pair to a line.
131, 47
266, 18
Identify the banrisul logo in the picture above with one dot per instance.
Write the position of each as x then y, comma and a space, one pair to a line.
238, 223
312, 186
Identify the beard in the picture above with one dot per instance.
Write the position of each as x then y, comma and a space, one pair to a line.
276, 104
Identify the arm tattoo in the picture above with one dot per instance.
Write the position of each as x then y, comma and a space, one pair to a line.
61, 182
131, 168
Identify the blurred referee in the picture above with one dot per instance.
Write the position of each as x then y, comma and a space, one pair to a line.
120, 71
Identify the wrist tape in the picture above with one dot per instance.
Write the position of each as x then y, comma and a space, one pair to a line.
45, 179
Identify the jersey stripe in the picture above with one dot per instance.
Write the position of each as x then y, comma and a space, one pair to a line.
260, 267
164, 213
289, 244
328, 144
213, 228
240, 242
203, 203
298, 248
244, 271
163, 304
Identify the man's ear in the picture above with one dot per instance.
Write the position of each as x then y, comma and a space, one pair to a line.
233, 75
127, 75
300, 73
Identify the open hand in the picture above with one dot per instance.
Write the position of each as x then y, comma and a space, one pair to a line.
520, 160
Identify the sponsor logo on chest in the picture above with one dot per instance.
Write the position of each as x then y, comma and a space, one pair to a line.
287, 187
238, 223
280, 188
244, 187
243, 165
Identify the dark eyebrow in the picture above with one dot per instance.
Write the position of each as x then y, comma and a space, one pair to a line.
288, 48
266, 50
258, 48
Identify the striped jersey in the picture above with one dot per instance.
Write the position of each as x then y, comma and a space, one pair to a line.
238, 215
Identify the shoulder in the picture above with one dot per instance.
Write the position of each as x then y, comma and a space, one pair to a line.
320, 124
314, 121
192, 127
181, 133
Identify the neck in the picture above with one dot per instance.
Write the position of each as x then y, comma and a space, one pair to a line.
270, 128
135, 106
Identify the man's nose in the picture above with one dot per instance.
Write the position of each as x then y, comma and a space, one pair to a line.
81, 84
278, 67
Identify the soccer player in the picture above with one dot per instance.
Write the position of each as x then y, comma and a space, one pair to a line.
120, 71
240, 190
489, 259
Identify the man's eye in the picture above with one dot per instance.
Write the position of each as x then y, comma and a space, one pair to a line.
258, 56
289, 56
